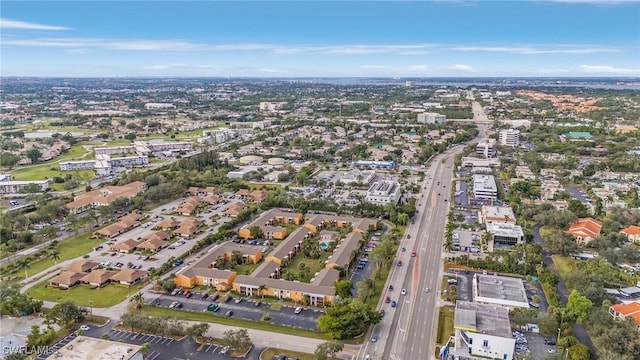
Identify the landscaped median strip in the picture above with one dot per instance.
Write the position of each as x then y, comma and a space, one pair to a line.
206, 317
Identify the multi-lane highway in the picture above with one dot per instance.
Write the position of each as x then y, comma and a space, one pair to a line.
408, 331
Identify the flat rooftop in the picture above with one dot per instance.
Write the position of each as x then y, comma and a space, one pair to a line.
500, 288
83, 348
483, 319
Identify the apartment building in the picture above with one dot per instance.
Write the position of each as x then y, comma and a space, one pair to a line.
16, 187
105, 196
77, 165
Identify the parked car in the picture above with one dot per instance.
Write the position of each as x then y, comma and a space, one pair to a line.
213, 307
298, 310
85, 327
229, 313
238, 300
214, 297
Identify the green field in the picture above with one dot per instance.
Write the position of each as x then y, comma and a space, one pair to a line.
209, 317
313, 266
109, 295
269, 353
445, 324
69, 249
563, 265
46, 171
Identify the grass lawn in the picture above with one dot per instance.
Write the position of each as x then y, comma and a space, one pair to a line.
118, 142
563, 264
109, 295
269, 353
312, 266
373, 301
545, 231
245, 269
69, 249
46, 171
445, 324
207, 317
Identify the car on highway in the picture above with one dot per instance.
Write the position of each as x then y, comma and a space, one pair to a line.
393, 304
374, 338
413, 253
403, 292
390, 287
387, 299
400, 263
382, 312
426, 290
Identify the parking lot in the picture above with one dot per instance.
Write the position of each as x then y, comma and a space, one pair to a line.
166, 348
246, 309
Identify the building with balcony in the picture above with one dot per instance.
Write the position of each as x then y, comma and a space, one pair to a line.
509, 137
484, 187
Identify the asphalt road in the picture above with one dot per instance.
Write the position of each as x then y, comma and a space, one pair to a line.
408, 331
307, 319
578, 330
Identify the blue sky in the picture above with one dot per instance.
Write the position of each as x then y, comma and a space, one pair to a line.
320, 38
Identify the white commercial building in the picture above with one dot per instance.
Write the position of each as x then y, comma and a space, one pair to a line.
484, 187
486, 148
114, 150
505, 235
271, 106
355, 176
509, 137
475, 162
384, 192
497, 214
481, 332
16, 187
431, 118
83, 347
502, 291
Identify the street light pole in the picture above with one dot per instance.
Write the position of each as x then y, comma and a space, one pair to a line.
558, 341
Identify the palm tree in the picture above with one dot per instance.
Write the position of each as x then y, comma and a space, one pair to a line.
23, 264
262, 288
137, 299
144, 349
54, 254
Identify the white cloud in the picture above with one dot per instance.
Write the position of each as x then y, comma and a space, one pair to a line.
461, 67
148, 45
180, 66
22, 25
418, 68
605, 69
373, 67
272, 71
566, 49
551, 71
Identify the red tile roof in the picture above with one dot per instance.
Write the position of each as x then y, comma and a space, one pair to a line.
631, 230
586, 227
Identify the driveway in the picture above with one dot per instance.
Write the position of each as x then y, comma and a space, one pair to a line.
578, 330
247, 309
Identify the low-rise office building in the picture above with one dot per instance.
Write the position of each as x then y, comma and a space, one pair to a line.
500, 291
509, 137
431, 118
84, 347
484, 187
384, 192
504, 235
482, 331
486, 148
482, 163
497, 214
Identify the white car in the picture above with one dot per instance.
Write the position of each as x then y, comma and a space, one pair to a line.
426, 290
404, 292
85, 327
298, 310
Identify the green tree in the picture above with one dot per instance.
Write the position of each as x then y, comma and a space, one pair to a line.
137, 299
347, 319
343, 288
256, 232
237, 339
196, 331
65, 314
23, 264
144, 349
33, 154
54, 254
579, 352
327, 350
578, 307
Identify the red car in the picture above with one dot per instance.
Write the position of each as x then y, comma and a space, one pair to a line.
387, 300
413, 253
